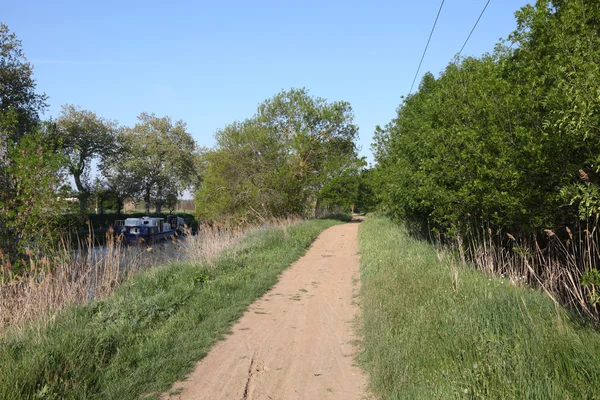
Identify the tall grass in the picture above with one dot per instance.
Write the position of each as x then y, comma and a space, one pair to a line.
68, 274
434, 329
556, 263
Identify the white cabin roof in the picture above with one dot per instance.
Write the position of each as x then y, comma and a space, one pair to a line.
144, 221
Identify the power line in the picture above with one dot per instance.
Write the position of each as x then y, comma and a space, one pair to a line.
474, 26
426, 46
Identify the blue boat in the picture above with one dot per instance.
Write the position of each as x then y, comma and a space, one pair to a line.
145, 229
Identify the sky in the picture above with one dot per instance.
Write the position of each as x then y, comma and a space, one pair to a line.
211, 63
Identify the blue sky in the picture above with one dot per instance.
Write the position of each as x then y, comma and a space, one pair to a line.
212, 63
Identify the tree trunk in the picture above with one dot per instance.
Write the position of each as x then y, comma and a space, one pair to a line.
317, 208
82, 194
159, 201
147, 200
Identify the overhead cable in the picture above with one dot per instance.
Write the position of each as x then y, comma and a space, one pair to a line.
474, 26
426, 46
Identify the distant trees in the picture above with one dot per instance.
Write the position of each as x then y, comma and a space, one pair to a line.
161, 156
84, 137
121, 183
352, 190
509, 138
277, 162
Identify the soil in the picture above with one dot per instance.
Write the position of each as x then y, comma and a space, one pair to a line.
296, 342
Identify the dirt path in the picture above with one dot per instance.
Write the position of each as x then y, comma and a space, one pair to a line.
296, 341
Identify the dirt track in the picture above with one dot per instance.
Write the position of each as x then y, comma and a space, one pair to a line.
296, 341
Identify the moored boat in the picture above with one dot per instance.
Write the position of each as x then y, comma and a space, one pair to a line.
144, 229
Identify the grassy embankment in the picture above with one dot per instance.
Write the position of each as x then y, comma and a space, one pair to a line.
149, 332
435, 330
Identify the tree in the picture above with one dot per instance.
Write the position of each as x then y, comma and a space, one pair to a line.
121, 184
247, 176
161, 155
276, 163
350, 191
319, 137
29, 206
29, 167
341, 193
85, 137
509, 138
20, 105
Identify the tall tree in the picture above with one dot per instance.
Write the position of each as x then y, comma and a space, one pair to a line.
29, 167
20, 105
30, 208
277, 162
319, 136
247, 176
161, 154
85, 137
509, 138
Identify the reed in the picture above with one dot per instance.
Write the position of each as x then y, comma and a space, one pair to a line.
80, 270
557, 263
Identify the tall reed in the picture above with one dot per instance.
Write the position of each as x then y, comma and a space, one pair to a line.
77, 271
556, 263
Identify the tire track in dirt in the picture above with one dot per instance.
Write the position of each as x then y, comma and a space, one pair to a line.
296, 342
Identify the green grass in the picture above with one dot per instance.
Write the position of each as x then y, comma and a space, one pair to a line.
428, 335
150, 331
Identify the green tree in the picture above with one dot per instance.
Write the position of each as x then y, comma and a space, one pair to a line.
20, 105
29, 166
30, 208
276, 163
319, 138
120, 183
162, 157
508, 138
85, 137
245, 175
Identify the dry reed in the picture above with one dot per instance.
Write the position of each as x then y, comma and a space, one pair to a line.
67, 276
555, 264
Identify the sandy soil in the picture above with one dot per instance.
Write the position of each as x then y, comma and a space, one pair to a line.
296, 341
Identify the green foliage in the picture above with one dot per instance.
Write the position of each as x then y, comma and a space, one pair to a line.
341, 192
276, 163
84, 136
19, 104
150, 331
591, 279
352, 190
30, 207
157, 154
433, 330
29, 167
246, 175
502, 138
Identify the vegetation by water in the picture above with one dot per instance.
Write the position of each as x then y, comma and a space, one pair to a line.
507, 143
149, 332
295, 157
435, 330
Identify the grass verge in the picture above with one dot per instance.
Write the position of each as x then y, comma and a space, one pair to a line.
149, 332
433, 330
